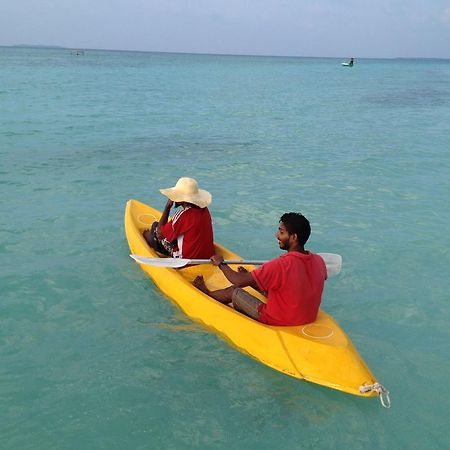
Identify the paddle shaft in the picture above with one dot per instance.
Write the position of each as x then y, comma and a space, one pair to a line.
255, 262
332, 261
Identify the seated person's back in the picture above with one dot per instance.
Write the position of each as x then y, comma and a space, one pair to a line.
189, 233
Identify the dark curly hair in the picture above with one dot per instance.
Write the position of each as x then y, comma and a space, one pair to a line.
297, 223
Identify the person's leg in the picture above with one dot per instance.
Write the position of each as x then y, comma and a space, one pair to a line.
242, 300
221, 295
246, 303
154, 242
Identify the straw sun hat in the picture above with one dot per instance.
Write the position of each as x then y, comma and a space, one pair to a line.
186, 190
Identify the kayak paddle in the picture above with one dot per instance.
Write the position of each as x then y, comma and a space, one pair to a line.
332, 261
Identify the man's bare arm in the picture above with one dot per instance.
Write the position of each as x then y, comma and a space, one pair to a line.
239, 279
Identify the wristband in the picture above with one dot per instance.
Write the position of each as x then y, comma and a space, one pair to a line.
222, 263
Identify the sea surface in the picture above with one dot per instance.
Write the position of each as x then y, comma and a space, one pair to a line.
93, 356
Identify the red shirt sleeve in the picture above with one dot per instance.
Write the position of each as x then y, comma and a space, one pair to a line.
168, 231
177, 225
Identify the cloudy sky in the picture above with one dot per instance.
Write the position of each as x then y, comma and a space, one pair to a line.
342, 28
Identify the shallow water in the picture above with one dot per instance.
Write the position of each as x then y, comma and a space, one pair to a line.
93, 355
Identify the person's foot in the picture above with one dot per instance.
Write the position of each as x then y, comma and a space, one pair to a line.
199, 283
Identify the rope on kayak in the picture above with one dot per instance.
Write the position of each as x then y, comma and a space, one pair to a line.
382, 392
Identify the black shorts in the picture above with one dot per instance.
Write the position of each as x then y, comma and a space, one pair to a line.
162, 246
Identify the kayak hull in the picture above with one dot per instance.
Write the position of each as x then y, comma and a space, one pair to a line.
319, 352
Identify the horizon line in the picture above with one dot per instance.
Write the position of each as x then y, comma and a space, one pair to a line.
60, 47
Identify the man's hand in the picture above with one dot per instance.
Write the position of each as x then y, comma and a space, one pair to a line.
216, 259
241, 278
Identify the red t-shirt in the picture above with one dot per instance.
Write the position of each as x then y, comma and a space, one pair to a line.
192, 229
294, 283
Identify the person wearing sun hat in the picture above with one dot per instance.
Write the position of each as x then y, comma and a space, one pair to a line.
189, 233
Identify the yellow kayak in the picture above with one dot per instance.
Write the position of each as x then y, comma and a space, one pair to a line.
319, 352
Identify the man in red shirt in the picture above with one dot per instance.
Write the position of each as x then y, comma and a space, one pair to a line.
294, 281
189, 233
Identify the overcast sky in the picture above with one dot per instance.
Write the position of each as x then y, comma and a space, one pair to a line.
342, 28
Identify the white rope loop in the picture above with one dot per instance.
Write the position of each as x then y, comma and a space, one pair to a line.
382, 392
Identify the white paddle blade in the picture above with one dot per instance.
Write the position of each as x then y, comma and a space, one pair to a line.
333, 263
174, 263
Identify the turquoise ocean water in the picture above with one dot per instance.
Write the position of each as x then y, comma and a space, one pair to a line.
93, 356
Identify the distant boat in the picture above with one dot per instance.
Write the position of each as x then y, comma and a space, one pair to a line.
77, 52
349, 64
